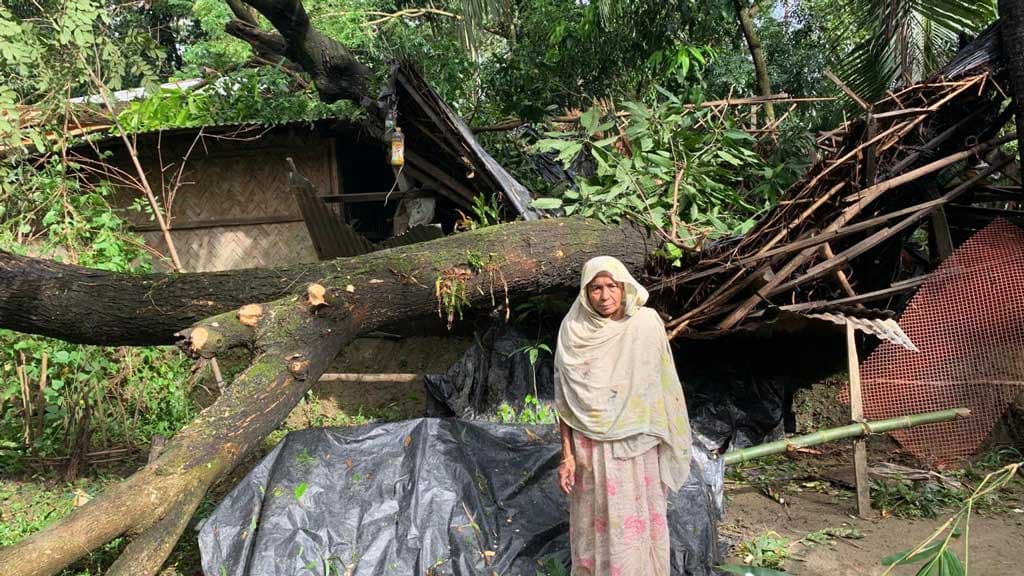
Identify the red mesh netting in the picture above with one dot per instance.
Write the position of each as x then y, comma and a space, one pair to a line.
967, 321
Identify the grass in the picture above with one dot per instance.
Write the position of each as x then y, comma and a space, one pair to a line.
920, 499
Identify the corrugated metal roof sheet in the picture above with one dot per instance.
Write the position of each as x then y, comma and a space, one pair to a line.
884, 328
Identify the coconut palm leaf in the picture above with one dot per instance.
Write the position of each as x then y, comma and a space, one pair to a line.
906, 40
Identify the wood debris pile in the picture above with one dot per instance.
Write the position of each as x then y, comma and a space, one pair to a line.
898, 188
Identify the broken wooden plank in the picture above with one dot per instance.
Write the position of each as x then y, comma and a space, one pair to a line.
941, 239
860, 451
896, 288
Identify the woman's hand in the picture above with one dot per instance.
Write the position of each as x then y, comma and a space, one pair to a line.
567, 474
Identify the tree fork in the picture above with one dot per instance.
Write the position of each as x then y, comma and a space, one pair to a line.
295, 338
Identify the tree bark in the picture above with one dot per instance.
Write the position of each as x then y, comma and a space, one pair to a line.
293, 339
764, 85
1011, 26
113, 309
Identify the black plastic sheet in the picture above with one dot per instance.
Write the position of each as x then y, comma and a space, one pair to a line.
495, 369
426, 496
728, 413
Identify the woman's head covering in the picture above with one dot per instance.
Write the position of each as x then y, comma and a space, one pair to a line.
615, 380
634, 295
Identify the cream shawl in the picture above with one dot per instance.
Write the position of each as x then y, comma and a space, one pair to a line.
615, 380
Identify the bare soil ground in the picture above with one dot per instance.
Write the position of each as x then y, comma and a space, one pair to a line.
997, 541
820, 498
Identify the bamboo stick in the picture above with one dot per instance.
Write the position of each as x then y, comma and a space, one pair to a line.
367, 378
896, 288
843, 432
796, 245
41, 399
871, 194
844, 282
883, 235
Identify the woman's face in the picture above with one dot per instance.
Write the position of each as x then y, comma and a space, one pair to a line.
605, 296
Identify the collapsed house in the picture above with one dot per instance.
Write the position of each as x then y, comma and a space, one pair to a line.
234, 202
890, 210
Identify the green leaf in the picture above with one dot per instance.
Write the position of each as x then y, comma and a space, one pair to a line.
729, 158
590, 119
738, 135
750, 570
300, 490
951, 565
901, 558
547, 203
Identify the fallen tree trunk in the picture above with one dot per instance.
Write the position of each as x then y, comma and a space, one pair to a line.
111, 309
293, 339
88, 306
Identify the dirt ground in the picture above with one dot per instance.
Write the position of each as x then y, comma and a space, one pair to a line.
996, 541
828, 502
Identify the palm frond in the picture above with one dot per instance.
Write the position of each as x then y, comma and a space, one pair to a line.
907, 39
475, 16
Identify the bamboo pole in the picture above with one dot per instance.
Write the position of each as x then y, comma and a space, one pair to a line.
843, 432
870, 194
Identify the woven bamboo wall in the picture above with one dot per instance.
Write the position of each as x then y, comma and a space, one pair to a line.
230, 179
224, 248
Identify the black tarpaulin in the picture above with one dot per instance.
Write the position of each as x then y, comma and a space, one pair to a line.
494, 370
426, 496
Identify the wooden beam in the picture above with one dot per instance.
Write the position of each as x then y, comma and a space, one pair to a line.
896, 288
870, 163
220, 223
844, 282
870, 194
860, 449
458, 193
846, 90
882, 235
797, 245
367, 196
332, 162
941, 238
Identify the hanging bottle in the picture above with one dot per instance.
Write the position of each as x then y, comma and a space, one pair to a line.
397, 147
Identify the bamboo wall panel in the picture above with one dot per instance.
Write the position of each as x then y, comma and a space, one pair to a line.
226, 179
260, 246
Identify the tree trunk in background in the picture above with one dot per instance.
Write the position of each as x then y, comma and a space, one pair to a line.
764, 85
1011, 15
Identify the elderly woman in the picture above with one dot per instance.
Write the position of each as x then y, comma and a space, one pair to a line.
625, 434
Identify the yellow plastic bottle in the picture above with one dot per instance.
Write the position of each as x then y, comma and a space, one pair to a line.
397, 147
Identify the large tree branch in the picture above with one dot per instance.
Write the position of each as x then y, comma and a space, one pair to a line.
333, 68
